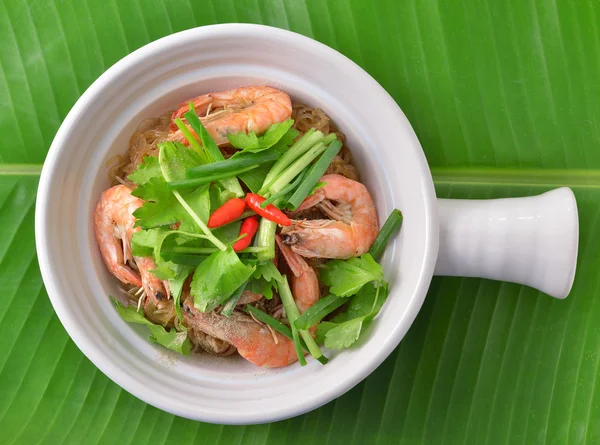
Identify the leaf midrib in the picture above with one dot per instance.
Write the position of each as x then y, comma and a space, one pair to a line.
444, 176
20, 169
505, 176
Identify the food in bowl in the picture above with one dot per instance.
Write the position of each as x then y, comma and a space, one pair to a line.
238, 223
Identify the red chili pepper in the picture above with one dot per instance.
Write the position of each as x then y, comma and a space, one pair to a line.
249, 227
270, 212
229, 211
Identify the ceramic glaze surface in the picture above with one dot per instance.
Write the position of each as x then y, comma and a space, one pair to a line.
531, 241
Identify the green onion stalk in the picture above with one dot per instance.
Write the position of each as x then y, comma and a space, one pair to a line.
290, 165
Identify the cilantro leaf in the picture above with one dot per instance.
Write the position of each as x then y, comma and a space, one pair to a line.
173, 340
286, 141
143, 242
344, 334
148, 169
255, 178
268, 271
275, 133
162, 207
322, 329
264, 279
176, 158
274, 138
217, 277
243, 141
261, 287
219, 196
165, 270
229, 232
176, 286
250, 143
346, 277
346, 327
366, 303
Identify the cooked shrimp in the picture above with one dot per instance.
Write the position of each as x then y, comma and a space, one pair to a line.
305, 283
158, 307
113, 226
249, 297
243, 109
255, 342
349, 234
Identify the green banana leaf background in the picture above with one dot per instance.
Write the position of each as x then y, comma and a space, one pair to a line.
504, 97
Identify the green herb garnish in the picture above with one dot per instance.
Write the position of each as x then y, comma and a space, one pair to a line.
292, 313
232, 302
391, 225
346, 277
232, 164
252, 143
316, 171
217, 278
345, 328
319, 310
173, 340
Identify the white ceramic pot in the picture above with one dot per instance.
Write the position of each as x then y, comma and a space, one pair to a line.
529, 240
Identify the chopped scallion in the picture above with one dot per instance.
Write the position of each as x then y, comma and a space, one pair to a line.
192, 141
187, 183
207, 141
294, 170
212, 150
230, 304
292, 313
265, 239
392, 223
209, 250
301, 146
289, 188
319, 310
268, 320
232, 164
313, 176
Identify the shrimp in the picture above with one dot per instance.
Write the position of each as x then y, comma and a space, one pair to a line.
305, 284
349, 234
255, 342
249, 297
113, 227
244, 109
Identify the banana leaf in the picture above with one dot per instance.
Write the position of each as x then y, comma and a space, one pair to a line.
503, 95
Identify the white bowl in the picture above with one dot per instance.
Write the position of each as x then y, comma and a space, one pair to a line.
156, 78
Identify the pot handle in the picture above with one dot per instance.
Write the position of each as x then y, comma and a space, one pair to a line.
531, 241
